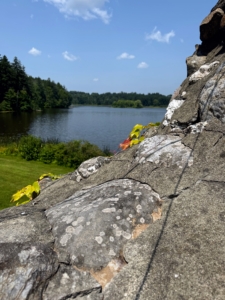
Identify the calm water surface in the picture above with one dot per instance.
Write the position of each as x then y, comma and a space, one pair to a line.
103, 126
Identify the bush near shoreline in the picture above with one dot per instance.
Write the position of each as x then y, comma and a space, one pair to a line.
70, 154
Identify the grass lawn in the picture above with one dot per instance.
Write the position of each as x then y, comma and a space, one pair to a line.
16, 173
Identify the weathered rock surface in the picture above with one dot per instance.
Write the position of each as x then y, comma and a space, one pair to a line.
149, 222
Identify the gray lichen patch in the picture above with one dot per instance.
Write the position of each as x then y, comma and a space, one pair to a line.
69, 281
89, 167
25, 268
164, 149
31, 226
212, 97
203, 71
102, 220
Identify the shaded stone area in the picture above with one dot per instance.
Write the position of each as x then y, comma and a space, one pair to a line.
70, 283
147, 223
25, 269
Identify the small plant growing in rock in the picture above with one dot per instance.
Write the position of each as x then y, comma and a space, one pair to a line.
136, 135
30, 191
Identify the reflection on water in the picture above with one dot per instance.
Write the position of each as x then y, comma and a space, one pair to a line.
103, 126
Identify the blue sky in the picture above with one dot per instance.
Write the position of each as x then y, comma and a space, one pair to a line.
103, 46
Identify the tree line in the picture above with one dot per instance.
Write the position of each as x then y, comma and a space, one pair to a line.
154, 99
20, 92
127, 103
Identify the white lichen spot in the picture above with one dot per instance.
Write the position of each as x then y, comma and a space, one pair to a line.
128, 219
142, 160
112, 199
103, 245
79, 220
99, 239
203, 71
173, 105
65, 238
127, 193
176, 275
183, 95
139, 208
130, 215
67, 219
118, 233
25, 254
126, 235
70, 229
65, 276
137, 193
78, 229
142, 220
73, 257
111, 239
88, 223
118, 217
112, 253
109, 210
102, 233
147, 187
115, 226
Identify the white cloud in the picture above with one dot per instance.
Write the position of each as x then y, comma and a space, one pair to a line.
96, 79
86, 9
69, 56
34, 52
125, 55
142, 65
157, 35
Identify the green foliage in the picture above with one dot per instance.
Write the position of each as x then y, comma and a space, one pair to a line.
154, 99
128, 103
20, 92
29, 147
5, 106
73, 153
11, 149
70, 154
17, 173
47, 153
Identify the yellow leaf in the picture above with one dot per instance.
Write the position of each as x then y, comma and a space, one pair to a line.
36, 187
134, 142
135, 132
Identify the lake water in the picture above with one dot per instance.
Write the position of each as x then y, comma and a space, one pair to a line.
103, 126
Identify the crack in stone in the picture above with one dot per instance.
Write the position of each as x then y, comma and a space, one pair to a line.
218, 141
81, 293
213, 181
218, 131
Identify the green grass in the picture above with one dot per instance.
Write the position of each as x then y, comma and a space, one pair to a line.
16, 173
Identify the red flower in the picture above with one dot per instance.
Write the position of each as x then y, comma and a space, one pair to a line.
125, 144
